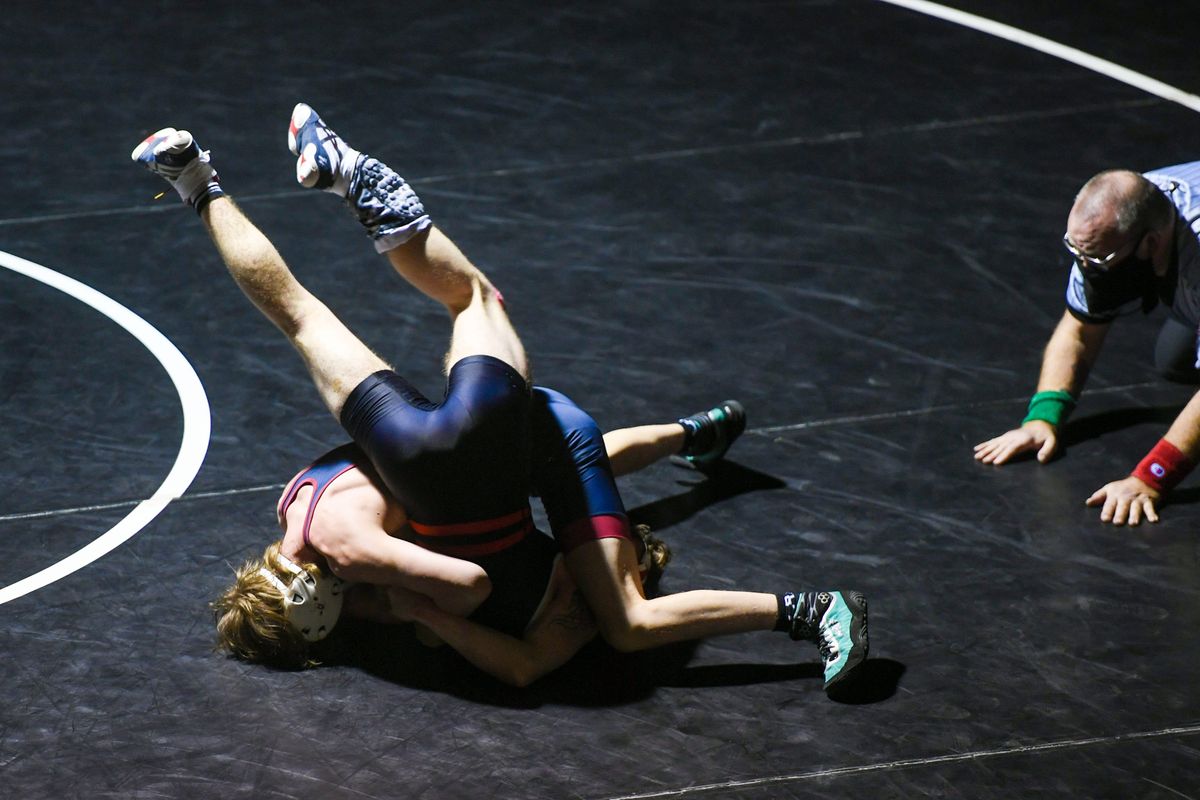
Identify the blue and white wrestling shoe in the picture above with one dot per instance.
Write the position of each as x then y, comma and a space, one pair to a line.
176, 157
382, 201
324, 160
837, 622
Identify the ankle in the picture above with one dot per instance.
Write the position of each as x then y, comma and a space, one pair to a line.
796, 615
385, 204
198, 185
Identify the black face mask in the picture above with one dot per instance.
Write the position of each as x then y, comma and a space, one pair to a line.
1131, 270
1132, 278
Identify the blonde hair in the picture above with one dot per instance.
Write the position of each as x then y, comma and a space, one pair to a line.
251, 624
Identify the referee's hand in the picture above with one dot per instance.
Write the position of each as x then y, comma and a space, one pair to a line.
1036, 435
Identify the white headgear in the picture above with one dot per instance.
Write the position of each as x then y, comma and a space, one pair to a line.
311, 604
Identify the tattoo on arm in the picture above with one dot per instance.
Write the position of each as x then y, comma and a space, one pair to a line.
576, 616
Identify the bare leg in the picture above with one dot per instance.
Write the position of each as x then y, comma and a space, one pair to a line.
335, 357
632, 449
434, 265
606, 572
395, 219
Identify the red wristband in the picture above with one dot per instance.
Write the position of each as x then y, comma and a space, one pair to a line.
1163, 467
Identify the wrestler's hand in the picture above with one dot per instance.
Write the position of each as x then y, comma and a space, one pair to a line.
1126, 501
1033, 435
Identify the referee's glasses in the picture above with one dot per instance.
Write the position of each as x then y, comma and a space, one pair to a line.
1093, 265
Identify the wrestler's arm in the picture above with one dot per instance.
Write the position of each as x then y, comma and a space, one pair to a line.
561, 626
453, 585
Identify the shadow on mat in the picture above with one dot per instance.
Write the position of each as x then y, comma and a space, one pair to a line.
1084, 429
876, 680
598, 675
714, 483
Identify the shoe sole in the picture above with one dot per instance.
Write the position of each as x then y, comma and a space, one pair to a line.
300, 116
860, 644
166, 134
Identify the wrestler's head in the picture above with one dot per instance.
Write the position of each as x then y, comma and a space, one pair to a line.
276, 609
655, 553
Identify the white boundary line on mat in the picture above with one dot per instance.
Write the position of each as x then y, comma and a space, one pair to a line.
196, 425
1052, 48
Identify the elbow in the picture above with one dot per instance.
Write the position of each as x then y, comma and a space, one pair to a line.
626, 640
523, 681
480, 587
628, 634
522, 675
475, 590
464, 595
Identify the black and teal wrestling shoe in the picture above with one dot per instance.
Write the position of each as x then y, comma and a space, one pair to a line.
710, 433
837, 622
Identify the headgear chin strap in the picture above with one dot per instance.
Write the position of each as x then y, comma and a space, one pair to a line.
311, 604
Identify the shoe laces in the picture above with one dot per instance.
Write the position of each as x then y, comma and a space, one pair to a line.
814, 606
806, 617
827, 645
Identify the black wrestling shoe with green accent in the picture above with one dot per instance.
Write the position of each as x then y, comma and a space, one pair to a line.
837, 622
710, 433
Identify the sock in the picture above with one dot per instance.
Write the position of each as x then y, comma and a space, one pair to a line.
698, 433
787, 611
198, 184
212, 190
797, 614
385, 204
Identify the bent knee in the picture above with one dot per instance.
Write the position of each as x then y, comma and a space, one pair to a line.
627, 633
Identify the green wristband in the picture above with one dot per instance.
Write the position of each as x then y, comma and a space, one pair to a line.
1052, 407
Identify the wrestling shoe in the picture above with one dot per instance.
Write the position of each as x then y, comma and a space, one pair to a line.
324, 160
837, 622
710, 433
176, 157
382, 201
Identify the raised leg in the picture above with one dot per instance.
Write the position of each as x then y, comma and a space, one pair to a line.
432, 263
336, 359
395, 219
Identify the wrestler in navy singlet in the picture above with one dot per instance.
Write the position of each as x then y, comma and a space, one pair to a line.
427, 451
572, 474
464, 468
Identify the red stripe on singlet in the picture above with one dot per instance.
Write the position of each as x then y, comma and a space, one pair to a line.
509, 529
467, 528
484, 548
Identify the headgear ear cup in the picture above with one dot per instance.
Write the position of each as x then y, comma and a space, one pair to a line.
312, 604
